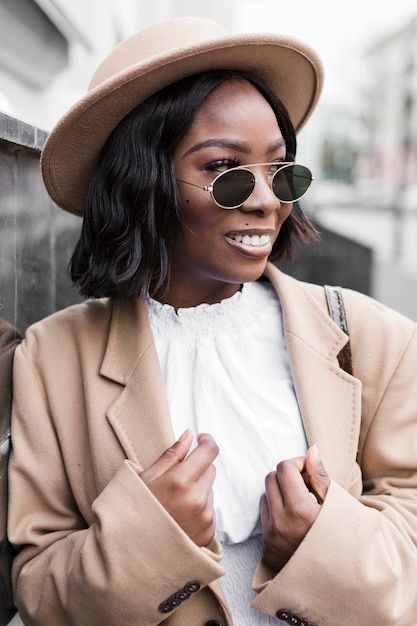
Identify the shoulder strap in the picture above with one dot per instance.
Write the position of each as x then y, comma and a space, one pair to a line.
336, 306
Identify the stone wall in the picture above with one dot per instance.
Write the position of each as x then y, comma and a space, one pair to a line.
36, 238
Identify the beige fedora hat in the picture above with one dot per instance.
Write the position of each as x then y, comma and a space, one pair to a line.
154, 58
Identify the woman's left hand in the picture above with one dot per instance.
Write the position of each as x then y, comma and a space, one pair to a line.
291, 502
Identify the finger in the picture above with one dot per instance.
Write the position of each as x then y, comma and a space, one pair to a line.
318, 478
264, 510
273, 497
208, 440
171, 457
203, 455
272, 489
290, 480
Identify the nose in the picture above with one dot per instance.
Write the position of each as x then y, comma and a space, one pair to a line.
262, 199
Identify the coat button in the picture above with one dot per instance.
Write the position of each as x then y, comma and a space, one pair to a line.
178, 597
183, 594
165, 607
295, 620
192, 586
283, 614
214, 622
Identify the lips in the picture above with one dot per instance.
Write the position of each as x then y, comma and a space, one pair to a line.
251, 240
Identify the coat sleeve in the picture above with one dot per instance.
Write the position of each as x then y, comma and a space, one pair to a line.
112, 561
358, 562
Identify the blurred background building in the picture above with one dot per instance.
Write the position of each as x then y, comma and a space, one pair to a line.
361, 142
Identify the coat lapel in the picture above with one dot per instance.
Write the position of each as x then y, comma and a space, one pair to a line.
329, 399
139, 415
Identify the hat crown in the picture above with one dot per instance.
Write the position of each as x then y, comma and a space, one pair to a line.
159, 39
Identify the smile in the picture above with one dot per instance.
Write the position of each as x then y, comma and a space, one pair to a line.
251, 240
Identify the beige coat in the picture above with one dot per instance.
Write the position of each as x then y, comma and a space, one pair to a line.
90, 413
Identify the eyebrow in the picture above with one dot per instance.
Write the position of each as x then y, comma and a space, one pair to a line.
231, 145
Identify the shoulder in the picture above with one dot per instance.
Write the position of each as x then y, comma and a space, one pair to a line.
366, 316
77, 316
373, 326
369, 320
380, 336
78, 326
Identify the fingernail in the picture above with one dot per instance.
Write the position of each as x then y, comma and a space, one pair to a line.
184, 434
315, 452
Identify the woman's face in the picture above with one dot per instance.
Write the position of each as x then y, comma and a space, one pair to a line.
234, 126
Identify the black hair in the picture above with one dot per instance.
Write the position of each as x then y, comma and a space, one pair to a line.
132, 215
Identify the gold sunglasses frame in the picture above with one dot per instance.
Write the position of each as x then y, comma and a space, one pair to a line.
270, 178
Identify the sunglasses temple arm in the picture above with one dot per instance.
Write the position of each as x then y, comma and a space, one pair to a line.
186, 182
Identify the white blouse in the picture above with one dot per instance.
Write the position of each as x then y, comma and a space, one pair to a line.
227, 372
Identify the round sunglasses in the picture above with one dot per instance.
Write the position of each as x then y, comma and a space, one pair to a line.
232, 188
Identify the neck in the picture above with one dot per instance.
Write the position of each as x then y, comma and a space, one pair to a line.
183, 298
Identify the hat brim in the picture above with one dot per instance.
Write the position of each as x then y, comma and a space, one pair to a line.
71, 153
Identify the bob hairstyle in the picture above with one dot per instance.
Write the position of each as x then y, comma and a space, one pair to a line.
132, 215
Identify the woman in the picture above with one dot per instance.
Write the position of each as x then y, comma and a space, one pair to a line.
187, 432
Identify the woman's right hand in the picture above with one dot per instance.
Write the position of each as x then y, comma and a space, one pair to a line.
184, 485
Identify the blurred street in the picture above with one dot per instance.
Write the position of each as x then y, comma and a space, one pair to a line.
391, 234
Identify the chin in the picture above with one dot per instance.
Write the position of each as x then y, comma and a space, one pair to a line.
253, 273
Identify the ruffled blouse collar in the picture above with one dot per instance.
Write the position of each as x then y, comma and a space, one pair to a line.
232, 314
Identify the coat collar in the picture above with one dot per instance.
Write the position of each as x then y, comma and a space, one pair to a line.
139, 415
129, 338
329, 398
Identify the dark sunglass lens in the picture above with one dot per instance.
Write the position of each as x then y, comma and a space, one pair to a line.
233, 188
291, 182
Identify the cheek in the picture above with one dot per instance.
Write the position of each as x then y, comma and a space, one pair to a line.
198, 213
284, 213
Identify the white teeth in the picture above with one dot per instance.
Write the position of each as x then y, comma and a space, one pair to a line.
254, 240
